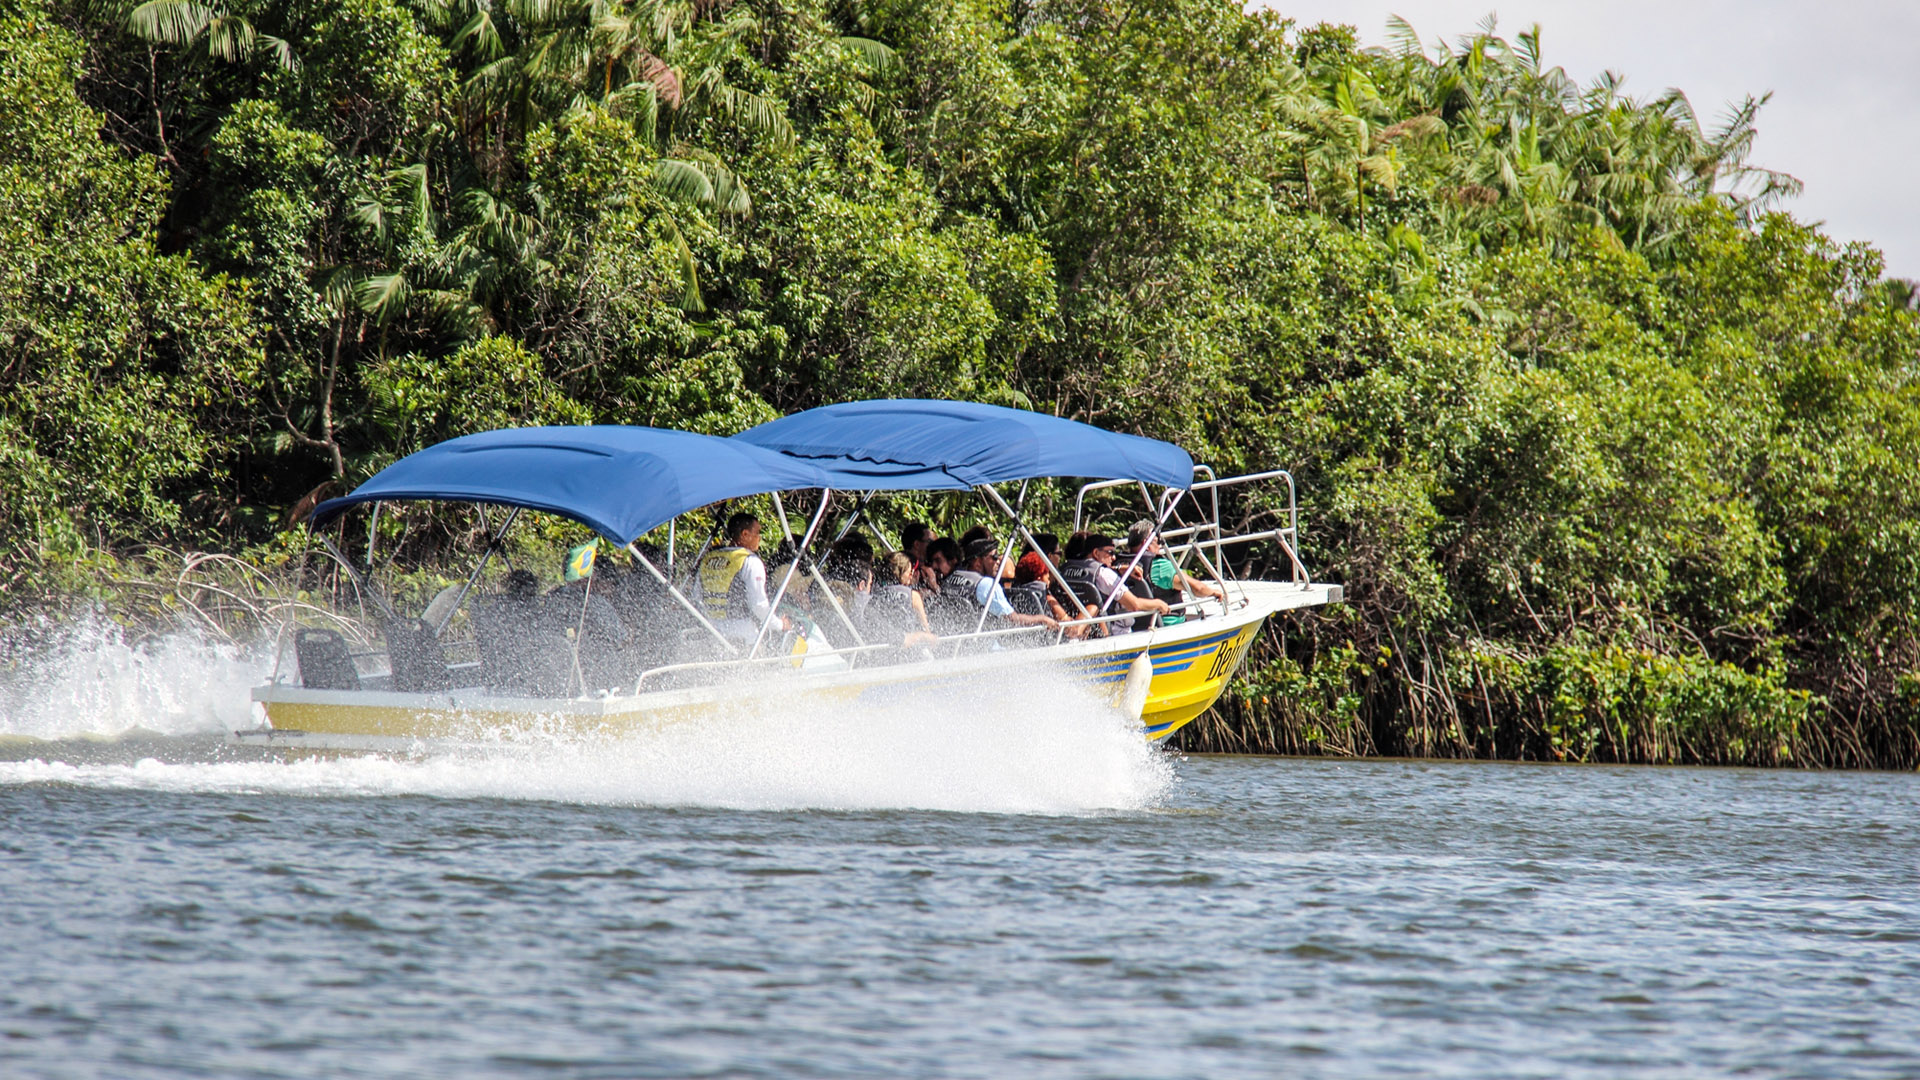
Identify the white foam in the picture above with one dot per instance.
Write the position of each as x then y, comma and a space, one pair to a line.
88, 682
1041, 744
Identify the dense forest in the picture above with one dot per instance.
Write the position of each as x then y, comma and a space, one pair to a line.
1616, 459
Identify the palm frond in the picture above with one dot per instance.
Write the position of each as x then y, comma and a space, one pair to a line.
480, 35
282, 51
337, 284
876, 57
1401, 36
413, 179
383, 295
757, 113
169, 22
689, 272
682, 181
230, 38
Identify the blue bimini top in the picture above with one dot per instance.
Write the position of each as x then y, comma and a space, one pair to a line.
619, 481
915, 445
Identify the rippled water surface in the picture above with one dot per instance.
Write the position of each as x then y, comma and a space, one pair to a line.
172, 910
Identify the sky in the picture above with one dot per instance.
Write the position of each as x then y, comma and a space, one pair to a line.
1845, 76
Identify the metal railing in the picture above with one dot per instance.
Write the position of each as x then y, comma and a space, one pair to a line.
795, 661
1209, 533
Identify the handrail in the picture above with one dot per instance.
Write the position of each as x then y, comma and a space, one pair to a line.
790, 660
1079, 499
1207, 533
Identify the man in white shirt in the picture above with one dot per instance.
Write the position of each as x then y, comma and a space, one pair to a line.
733, 582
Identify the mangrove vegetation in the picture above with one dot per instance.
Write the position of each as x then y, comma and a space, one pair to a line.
1616, 459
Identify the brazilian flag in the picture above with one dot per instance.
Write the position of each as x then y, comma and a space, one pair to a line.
580, 560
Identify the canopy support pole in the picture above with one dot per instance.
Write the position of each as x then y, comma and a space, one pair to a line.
1020, 503
854, 519
773, 606
693, 609
813, 570
1201, 554
1052, 570
719, 524
1138, 555
373, 526
474, 577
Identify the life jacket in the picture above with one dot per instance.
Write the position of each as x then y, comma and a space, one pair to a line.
723, 589
891, 611
1029, 599
1081, 576
956, 607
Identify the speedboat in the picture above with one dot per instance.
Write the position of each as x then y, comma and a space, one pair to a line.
627, 484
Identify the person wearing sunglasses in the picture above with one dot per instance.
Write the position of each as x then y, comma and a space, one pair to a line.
1090, 574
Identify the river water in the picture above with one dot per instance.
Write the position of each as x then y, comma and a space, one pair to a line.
870, 895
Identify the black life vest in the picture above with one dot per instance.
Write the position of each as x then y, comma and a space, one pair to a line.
1080, 576
1029, 599
890, 613
956, 607
1147, 590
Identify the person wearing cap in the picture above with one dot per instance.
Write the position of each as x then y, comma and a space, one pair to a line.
1089, 573
969, 584
1154, 575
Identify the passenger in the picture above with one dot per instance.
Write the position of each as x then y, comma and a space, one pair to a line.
914, 540
981, 532
1049, 545
733, 582
848, 569
850, 559
1032, 594
794, 587
511, 637
968, 588
580, 609
654, 619
1156, 576
897, 610
1090, 574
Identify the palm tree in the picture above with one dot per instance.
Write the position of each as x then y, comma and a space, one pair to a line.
188, 23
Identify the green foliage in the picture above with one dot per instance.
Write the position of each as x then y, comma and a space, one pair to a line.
491, 383
1614, 462
123, 372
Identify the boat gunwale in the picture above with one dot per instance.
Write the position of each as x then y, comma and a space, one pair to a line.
1260, 600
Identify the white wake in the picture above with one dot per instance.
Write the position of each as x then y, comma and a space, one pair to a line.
1029, 742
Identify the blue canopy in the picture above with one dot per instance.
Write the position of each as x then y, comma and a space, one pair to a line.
954, 445
620, 481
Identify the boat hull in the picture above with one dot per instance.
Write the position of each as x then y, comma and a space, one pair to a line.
1191, 662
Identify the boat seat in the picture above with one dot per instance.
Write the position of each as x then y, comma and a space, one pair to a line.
419, 663
325, 663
